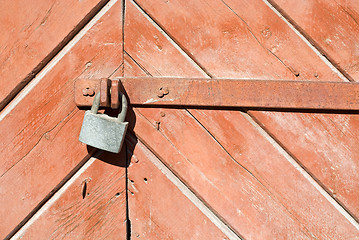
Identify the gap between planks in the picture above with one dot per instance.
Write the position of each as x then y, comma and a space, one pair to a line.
309, 41
261, 130
85, 163
4, 102
83, 166
185, 190
51, 64
281, 148
172, 40
302, 171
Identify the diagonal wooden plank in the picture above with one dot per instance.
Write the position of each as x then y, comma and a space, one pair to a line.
33, 33
309, 214
40, 141
91, 205
239, 45
161, 206
133, 69
327, 172
331, 26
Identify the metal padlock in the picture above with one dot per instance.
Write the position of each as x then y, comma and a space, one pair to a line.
102, 131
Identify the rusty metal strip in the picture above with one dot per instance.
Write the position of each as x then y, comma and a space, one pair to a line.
231, 93
242, 93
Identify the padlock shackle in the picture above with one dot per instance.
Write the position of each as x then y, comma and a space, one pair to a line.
96, 103
122, 114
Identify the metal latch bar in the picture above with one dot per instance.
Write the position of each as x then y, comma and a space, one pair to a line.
201, 92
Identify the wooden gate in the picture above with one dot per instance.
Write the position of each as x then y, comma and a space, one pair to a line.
184, 173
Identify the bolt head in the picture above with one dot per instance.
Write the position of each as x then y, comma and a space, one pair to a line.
85, 91
91, 92
165, 91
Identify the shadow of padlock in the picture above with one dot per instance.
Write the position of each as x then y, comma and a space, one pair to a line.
102, 131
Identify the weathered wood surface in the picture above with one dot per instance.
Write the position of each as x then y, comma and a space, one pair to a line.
264, 175
256, 159
157, 208
244, 38
93, 206
32, 33
39, 131
332, 26
223, 58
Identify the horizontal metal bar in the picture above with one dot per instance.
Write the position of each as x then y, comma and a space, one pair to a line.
242, 93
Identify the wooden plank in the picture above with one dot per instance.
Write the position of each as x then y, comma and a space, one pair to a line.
331, 26
329, 150
257, 185
138, 200
250, 42
225, 64
228, 188
158, 209
242, 93
278, 189
40, 144
32, 34
91, 206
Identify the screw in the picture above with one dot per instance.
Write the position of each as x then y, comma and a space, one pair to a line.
165, 91
162, 114
91, 92
162, 92
88, 92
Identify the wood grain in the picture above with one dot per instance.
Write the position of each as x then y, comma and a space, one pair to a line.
157, 208
332, 26
93, 206
325, 144
40, 140
240, 39
32, 34
278, 190
224, 64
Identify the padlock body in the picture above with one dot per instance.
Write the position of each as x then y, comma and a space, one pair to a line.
103, 132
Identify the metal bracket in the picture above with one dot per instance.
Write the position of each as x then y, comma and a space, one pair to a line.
195, 92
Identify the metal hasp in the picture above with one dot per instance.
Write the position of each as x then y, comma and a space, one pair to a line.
196, 92
243, 93
102, 131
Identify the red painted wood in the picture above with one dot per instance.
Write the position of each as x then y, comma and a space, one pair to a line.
157, 208
326, 144
219, 65
40, 144
333, 27
93, 206
31, 35
260, 184
203, 160
245, 40
220, 155
233, 192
